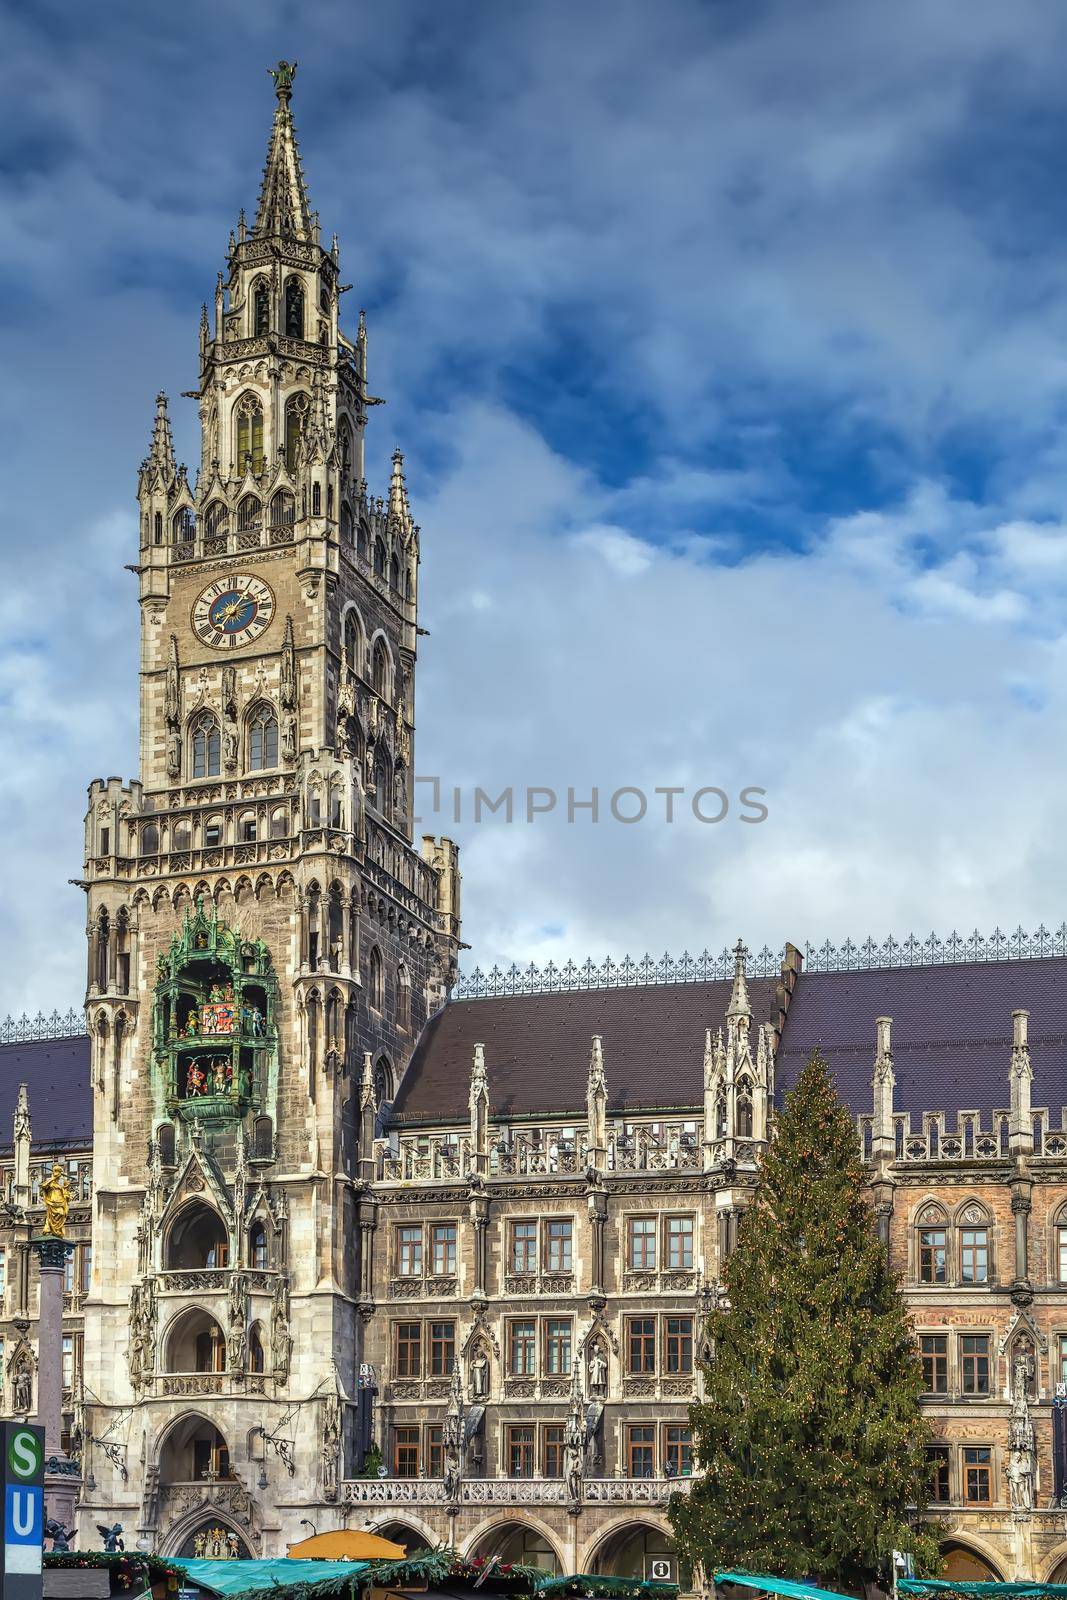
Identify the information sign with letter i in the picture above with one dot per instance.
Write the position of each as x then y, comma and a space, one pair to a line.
23, 1483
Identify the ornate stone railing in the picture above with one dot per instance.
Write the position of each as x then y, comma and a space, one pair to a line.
706, 968
967, 1140
666, 1147
58, 1025
512, 1491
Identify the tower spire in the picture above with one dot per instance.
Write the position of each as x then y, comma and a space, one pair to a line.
161, 452
283, 202
399, 505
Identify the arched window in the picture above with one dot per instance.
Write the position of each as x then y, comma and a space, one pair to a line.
249, 515
183, 525
409, 585
158, 527
194, 1343
296, 410
394, 573
294, 309
246, 827
379, 557
354, 643
282, 510
336, 813
165, 1143
150, 840
362, 539
181, 836
383, 788
380, 669
262, 1139
347, 524
260, 309
383, 1081
249, 434
279, 823
1061, 1246
258, 1255
206, 747
262, 739
744, 1109
216, 518
974, 1244
375, 978
932, 1245
255, 1349
198, 1238
212, 833
314, 806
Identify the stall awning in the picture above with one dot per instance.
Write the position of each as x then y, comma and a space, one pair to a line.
784, 1586
979, 1588
242, 1577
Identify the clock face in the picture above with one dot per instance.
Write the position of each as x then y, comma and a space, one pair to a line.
233, 611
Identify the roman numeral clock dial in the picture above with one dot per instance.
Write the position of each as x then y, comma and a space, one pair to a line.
233, 611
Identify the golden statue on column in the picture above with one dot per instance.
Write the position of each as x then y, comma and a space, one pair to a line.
56, 1194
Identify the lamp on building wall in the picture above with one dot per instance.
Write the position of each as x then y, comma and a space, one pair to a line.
305, 1522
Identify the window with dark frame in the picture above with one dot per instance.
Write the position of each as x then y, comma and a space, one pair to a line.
933, 1255
524, 1247
678, 1341
442, 1349
974, 1363
406, 1462
641, 1247
677, 1451
557, 1347
640, 1450
641, 1345
934, 1350
408, 1350
552, 1438
558, 1244
435, 1455
519, 1449
974, 1255
937, 1460
443, 1249
977, 1474
679, 1247
409, 1252
522, 1349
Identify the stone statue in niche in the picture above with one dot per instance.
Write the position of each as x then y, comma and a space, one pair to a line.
479, 1374
22, 1390
1021, 1465
598, 1369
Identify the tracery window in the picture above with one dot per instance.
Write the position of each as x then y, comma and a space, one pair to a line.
262, 739
282, 510
932, 1245
183, 525
206, 747
381, 673
375, 983
379, 558
353, 643
296, 410
260, 309
249, 515
249, 434
294, 309
216, 518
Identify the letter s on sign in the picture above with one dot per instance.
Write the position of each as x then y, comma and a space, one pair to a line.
24, 1454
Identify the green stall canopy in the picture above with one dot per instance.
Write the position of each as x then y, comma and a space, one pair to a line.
785, 1586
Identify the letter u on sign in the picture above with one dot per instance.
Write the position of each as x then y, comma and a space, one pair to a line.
23, 1528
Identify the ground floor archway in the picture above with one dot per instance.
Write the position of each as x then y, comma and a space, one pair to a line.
640, 1550
522, 1542
406, 1534
964, 1562
216, 1541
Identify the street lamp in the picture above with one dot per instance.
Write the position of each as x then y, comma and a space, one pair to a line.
305, 1522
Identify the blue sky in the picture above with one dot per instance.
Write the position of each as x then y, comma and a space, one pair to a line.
727, 344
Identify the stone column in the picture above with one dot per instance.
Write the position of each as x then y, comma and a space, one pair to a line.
62, 1476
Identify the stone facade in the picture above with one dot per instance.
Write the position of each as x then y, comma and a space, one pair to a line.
263, 934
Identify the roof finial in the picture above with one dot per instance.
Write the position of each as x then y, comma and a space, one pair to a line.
283, 75
283, 202
739, 1004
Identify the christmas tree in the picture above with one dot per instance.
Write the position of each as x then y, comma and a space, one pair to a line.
809, 1436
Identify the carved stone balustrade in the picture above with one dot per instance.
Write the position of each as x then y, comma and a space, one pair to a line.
512, 1491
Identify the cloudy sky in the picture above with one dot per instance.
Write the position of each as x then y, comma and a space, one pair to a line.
727, 344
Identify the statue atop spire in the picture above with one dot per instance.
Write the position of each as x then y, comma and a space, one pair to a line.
283, 203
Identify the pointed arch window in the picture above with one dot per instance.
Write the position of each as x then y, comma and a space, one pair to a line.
403, 998
249, 515
282, 510
249, 434
382, 784
260, 309
346, 524
353, 644
379, 558
375, 978
183, 525
206, 747
258, 1255
296, 410
256, 1360
262, 739
932, 1245
294, 309
394, 573
216, 518
150, 840
381, 673
158, 527
974, 1239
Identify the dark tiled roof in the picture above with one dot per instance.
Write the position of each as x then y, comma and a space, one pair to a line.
56, 1072
951, 1032
537, 1049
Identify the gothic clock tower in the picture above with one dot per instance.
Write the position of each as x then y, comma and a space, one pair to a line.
265, 939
